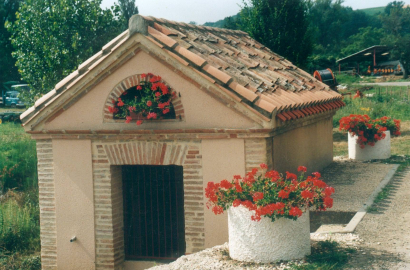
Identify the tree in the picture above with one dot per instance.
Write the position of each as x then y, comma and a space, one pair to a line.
396, 23
281, 25
127, 8
331, 25
393, 5
366, 38
8, 70
52, 37
231, 22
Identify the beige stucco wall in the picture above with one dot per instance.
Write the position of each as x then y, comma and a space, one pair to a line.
201, 110
74, 204
310, 146
221, 160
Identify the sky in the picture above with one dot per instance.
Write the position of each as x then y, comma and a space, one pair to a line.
201, 11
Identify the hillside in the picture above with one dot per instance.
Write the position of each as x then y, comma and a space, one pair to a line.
373, 11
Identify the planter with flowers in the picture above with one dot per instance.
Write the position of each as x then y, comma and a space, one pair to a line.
150, 100
268, 216
369, 138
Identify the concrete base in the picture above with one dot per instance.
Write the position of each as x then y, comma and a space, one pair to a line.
265, 241
381, 150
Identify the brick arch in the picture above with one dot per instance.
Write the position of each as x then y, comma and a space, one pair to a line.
108, 157
132, 81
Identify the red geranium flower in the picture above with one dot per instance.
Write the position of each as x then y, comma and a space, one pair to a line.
328, 202
217, 210
295, 211
302, 169
257, 196
283, 194
291, 176
306, 194
225, 184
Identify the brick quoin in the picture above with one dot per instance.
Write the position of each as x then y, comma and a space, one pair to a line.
47, 202
133, 81
258, 151
108, 156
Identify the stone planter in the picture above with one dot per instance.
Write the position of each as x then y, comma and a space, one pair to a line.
381, 150
266, 241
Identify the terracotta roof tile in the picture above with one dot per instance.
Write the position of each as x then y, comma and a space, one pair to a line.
244, 92
288, 117
205, 76
197, 60
213, 71
161, 37
165, 30
281, 117
267, 106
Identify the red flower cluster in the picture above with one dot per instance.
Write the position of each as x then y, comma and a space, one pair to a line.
369, 131
269, 194
151, 99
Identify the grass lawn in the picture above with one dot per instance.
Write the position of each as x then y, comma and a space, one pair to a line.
19, 210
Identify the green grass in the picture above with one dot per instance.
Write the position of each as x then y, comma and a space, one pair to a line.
373, 11
19, 222
350, 79
383, 194
376, 107
19, 210
18, 159
326, 255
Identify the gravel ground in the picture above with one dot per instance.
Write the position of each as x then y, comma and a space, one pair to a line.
353, 182
382, 238
386, 233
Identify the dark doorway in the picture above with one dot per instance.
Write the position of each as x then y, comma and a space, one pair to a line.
154, 225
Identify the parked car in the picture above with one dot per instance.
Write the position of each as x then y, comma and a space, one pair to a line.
10, 92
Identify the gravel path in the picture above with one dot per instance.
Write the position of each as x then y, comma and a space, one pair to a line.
382, 238
388, 83
386, 233
353, 182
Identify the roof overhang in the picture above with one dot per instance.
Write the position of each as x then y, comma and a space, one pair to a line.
381, 52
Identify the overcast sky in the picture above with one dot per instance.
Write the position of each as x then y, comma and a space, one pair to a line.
202, 11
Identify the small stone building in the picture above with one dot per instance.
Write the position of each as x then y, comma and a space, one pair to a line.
115, 195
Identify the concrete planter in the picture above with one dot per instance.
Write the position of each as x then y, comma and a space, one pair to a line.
381, 150
266, 241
